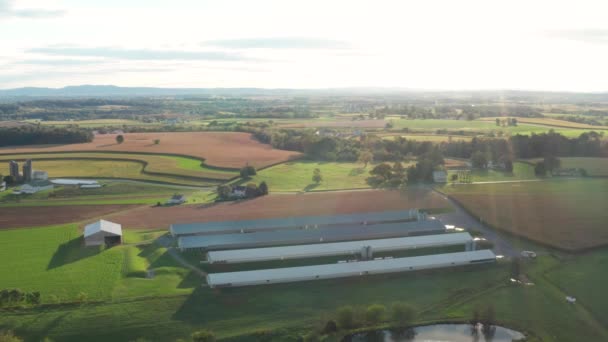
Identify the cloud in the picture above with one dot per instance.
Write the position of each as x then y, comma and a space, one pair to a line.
60, 62
278, 43
7, 10
595, 36
139, 54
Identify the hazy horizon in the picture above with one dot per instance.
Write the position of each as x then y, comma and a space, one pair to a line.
414, 45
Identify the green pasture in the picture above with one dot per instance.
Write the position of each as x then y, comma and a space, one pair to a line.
297, 176
593, 166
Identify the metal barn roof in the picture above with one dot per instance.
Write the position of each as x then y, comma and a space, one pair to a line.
303, 273
224, 227
337, 248
102, 226
306, 236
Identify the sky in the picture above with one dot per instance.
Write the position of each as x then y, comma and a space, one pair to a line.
418, 44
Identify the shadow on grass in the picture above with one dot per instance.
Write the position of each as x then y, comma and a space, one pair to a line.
192, 280
72, 251
311, 186
356, 171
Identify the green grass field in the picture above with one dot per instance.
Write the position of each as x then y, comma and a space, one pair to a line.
521, 171
171, 166
297, 176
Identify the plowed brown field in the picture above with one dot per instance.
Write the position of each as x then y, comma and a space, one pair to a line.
221, 149
17, 217
326, 203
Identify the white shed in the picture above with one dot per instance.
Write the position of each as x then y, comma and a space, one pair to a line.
102, 233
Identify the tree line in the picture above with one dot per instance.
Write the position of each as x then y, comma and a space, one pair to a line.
40, 135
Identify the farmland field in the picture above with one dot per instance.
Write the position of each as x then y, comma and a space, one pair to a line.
550, 122
218, 149
106, 169
593, 166
321, 203
297, 176
568, 214
158, 164
24, 216
436, 138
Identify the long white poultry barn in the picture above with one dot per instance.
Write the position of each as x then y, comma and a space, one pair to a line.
338, 248
309, 236
350, 269
247, 226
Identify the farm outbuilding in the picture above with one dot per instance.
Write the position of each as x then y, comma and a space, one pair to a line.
349, 269
338, 248
102, 233
309, 236
226, 227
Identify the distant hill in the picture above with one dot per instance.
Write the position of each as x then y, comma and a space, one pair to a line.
115, 91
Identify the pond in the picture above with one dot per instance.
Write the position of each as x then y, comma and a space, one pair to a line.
439, 333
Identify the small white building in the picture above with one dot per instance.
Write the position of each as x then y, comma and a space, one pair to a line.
440, 176
40, 175
2, 186
102, 232
177, 199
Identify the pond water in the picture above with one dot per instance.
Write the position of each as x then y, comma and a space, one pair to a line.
439, 333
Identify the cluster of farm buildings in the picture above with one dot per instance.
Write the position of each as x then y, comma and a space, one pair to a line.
362, 240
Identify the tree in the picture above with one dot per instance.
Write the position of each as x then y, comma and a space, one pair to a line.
330, 327
263, 188
203, 336
9, 180
248, 171
508, 166
316, 176
515, 267
540, 169
120, 139
223, 191
479, 160
454, 177
552, 163
402, 313
252, 190
346, 317
366, 157
497, 122
514, 122
375, 313
156, 141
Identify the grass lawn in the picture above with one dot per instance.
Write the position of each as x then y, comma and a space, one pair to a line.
566, 213
580, 277
170, 165
520, 171
53, 261
239, 314
297, 176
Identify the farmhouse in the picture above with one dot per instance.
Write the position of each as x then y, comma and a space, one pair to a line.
102, 233
176, 199
350, 269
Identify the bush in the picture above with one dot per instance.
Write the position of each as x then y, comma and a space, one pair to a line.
330, 327
8, 336
402, 314
248, 171
346, 317
203, 336
120, 139
375, 313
